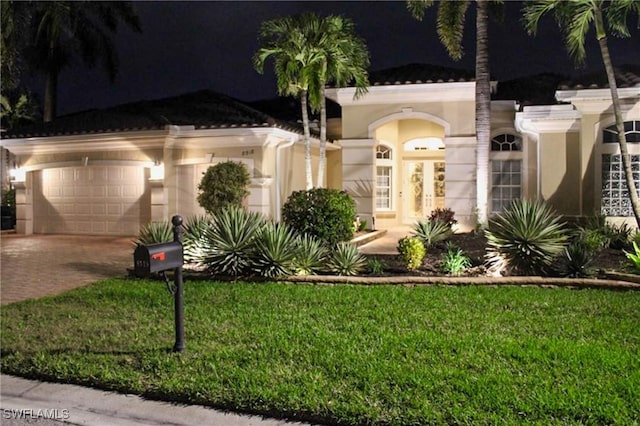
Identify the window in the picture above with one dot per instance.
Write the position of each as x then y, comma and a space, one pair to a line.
383, 187
631, 131
506, 183
384, 177
383, 152
506, 142
615, 193
506, 171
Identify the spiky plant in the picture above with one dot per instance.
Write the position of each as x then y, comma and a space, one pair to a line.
346, 260
431, 231
275, 251
194, 240
155, 232
525, 239
230, 241
454, 261
310, 255
575, 260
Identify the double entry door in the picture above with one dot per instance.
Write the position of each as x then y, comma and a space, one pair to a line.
423, 188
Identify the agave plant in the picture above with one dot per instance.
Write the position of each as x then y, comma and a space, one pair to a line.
154, 233
230, 241
431, 231
194, 240
310, 255
525, 239
576, 259
346, 260
275, 251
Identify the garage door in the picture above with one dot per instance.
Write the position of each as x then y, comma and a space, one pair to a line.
100, 200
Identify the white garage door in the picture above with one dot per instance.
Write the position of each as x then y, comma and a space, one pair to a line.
101, 200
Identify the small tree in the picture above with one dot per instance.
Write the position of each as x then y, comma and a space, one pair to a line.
223, 185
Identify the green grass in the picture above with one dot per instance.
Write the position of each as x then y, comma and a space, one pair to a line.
346, 354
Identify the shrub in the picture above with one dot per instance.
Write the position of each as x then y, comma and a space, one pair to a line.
454, 261
431, 231
230, 241
593, 239
310, 255
275, 251
443, 215
327, 214
634, 257
155, 232
223, 185
524, 239
411, 251
375, 267
346, 260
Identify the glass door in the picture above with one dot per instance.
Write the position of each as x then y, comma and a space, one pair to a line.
423, 189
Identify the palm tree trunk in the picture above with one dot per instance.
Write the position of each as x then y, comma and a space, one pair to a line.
622, 139
307, 141
483, 111
322, 162
50, 96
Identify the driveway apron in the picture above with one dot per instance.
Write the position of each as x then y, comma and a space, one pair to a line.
34, 266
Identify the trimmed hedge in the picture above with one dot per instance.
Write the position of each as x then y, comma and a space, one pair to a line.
328, 214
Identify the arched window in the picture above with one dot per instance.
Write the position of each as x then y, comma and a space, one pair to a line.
506, 171
383, 152
506, 142
424, 144
384, 177
631, 131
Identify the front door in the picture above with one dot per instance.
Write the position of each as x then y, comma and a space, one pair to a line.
423, 189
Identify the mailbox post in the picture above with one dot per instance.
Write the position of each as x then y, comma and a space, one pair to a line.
178, 296
162, 257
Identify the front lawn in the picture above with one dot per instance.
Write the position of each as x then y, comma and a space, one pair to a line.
346, 354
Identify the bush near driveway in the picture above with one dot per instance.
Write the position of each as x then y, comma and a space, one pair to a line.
345, 354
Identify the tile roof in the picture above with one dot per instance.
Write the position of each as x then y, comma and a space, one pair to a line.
419, 74
203, 109
626, 76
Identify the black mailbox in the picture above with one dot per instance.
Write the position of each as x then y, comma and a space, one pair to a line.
151, 258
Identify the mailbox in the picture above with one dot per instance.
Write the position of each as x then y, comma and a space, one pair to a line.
151, 258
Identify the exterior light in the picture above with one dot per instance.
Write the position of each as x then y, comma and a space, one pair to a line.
18, 174
157, 172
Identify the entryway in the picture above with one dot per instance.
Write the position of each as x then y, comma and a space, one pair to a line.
423, 188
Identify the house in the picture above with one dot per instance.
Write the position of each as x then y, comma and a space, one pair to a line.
405, 148
110, 171
409, 145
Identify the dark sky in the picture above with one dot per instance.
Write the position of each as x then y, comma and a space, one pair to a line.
188, 46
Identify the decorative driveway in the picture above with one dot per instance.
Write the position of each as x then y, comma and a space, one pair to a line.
34, 266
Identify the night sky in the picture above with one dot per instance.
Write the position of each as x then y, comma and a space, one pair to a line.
188, 46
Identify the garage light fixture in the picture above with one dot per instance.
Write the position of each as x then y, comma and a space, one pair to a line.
157, 172
18, 174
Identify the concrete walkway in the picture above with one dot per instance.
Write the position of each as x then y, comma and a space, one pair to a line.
387, 243
78, 405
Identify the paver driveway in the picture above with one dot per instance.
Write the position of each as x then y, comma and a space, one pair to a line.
42, 265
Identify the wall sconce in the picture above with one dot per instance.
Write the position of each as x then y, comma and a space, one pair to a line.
157, 171
18, 174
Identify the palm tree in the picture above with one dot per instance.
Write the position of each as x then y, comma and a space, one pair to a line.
345, 60
286, 41
576, 19
450, 27
65, 29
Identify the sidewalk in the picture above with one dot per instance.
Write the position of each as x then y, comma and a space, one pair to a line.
77, 405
